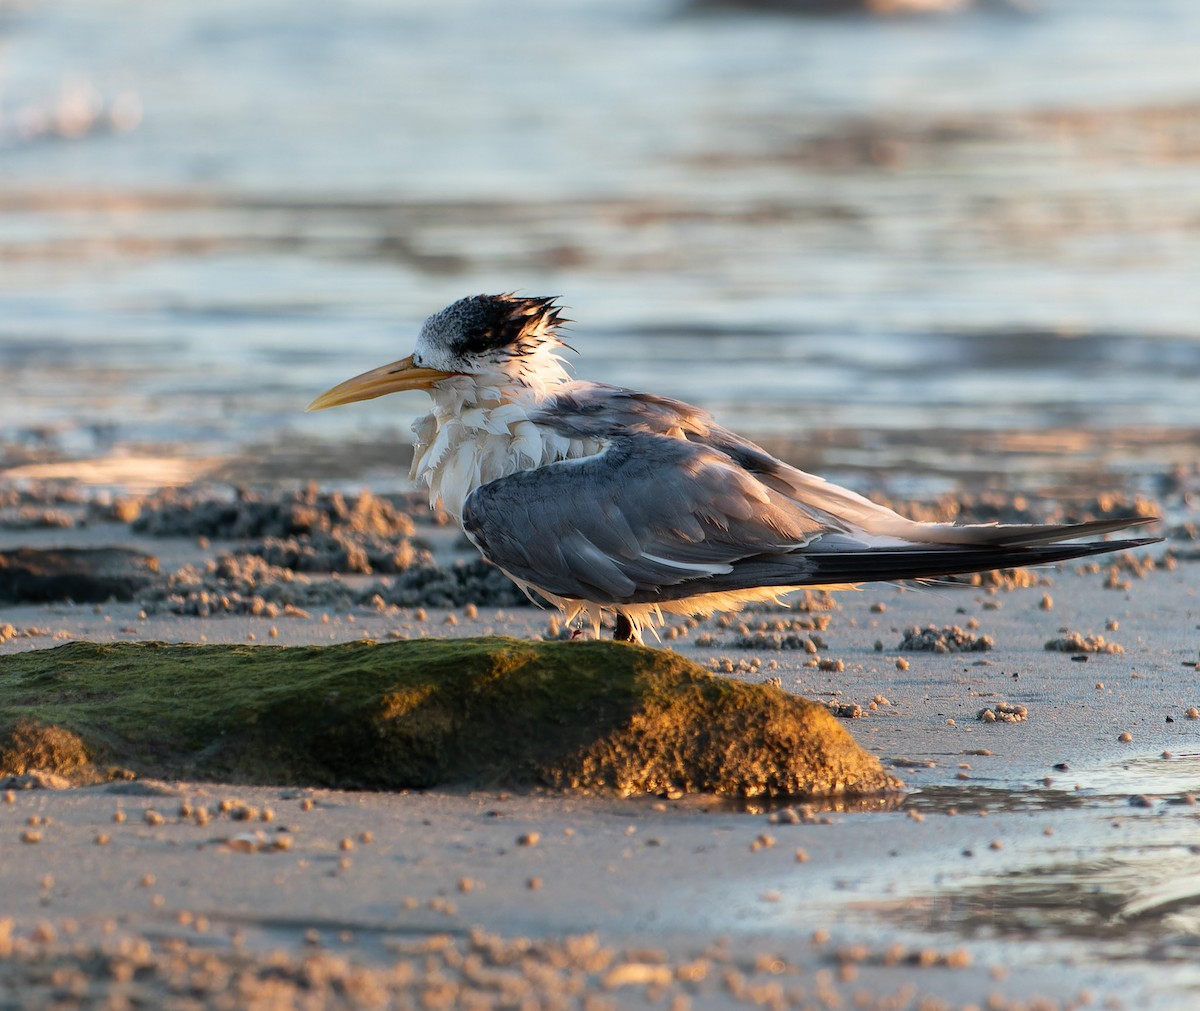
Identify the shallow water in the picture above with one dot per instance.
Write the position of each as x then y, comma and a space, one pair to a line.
981, 223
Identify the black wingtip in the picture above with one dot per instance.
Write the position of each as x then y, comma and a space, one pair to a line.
931, 563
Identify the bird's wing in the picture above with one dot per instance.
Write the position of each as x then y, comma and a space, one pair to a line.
650, 518
654, 518
586, 409
593, 409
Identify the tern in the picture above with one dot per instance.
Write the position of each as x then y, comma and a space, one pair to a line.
603, 499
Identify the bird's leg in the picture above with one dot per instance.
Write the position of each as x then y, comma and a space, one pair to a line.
625, 632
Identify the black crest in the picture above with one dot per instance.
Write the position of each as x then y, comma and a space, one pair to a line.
483, 323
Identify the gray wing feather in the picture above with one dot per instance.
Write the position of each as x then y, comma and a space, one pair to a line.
650, 518
585, 409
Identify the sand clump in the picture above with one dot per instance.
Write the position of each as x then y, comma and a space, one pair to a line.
289, 542
1003, 712
242, 583
249, 514
949, 639
1073, 642
778, 641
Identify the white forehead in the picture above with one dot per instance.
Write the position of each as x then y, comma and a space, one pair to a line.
441, 339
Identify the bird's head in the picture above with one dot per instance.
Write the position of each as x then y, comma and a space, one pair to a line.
500, 340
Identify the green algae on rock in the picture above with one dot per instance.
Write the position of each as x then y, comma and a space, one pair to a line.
593, 716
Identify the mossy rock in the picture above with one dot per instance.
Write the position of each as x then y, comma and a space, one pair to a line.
595, 716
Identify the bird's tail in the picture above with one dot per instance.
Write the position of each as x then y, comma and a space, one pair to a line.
1022, 535
987, 548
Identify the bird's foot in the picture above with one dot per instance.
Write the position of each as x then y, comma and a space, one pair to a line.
625, 632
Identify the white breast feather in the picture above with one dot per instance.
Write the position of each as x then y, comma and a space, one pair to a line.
461, 447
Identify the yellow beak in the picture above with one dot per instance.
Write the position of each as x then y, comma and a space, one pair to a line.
401, 375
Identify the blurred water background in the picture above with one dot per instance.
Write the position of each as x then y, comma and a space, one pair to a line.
965, 244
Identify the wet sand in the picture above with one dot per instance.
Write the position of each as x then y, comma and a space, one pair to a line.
1048, 859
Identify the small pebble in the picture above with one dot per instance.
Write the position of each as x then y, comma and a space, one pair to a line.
1125, 737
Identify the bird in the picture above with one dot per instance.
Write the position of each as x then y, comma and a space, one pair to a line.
605, 500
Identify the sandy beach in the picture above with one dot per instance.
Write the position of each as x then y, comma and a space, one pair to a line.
942, 253
1043, 855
